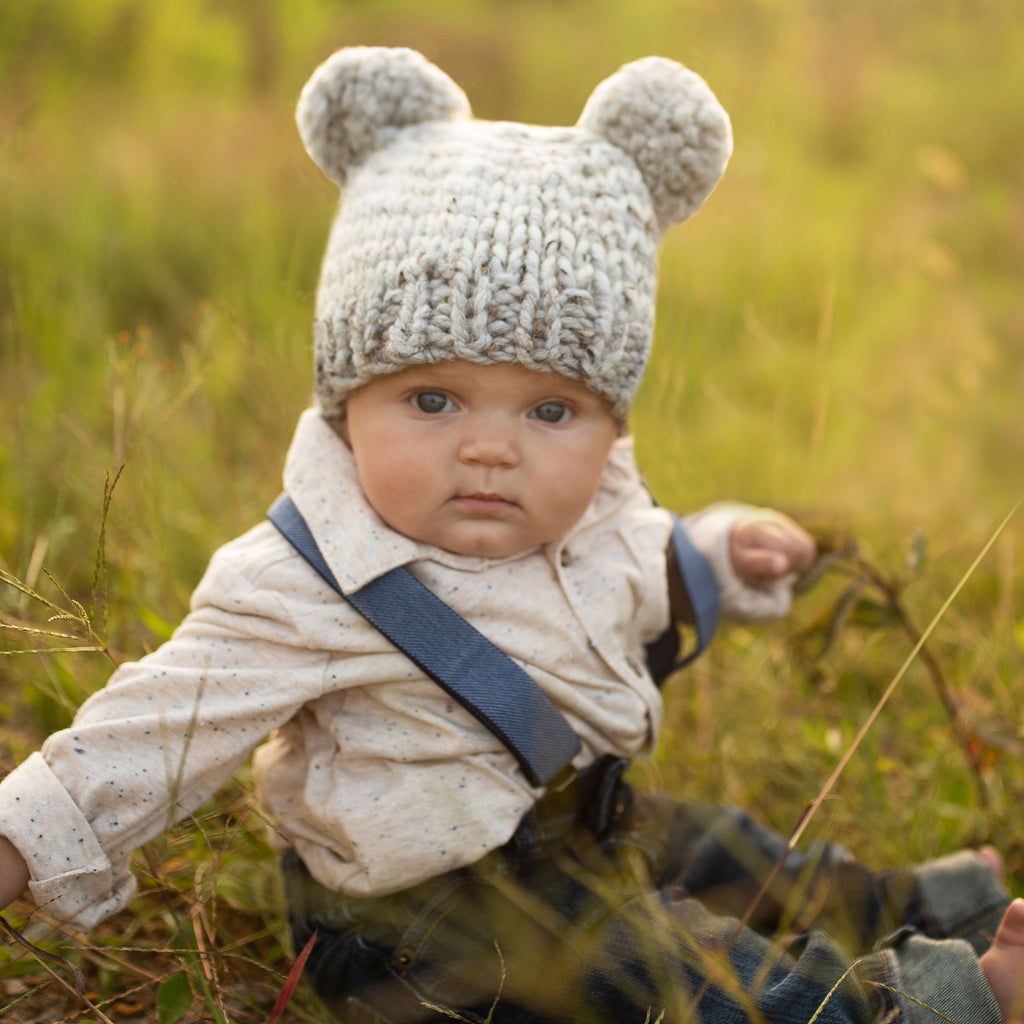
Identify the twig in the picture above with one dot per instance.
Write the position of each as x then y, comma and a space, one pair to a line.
891, 595
42, 956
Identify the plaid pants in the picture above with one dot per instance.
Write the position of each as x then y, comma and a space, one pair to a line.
607, 906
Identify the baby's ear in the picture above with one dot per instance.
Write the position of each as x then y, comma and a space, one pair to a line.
358, 100
668, 120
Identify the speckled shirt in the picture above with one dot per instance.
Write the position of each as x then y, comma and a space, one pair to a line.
375, 775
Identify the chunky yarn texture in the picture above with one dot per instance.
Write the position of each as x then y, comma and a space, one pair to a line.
495, 241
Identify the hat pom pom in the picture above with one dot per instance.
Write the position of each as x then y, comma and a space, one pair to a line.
667, 118
359, 98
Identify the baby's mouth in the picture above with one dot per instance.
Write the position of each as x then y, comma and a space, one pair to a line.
484, 503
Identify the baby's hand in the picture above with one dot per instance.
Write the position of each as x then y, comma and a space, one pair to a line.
768, 545
13, 873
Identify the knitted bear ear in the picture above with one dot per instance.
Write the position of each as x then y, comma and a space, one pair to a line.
359, 98
668, 120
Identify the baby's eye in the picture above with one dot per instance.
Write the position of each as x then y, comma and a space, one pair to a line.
432, 402
551, 412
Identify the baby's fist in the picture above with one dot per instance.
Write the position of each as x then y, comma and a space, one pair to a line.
766, 546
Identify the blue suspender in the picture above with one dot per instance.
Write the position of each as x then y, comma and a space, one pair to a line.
700, 585
466, 665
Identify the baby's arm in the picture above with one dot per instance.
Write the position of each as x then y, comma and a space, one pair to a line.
13, 873
162, 736
756, 555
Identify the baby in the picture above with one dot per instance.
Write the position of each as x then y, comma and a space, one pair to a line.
484, 317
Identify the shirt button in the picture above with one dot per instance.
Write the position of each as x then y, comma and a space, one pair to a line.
565, 559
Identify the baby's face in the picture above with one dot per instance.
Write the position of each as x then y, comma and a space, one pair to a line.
486, 460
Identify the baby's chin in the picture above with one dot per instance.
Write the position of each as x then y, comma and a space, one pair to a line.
483, 541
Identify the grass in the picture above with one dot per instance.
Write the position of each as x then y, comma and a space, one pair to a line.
839, 334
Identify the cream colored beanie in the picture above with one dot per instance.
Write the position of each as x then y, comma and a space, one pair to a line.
494, 241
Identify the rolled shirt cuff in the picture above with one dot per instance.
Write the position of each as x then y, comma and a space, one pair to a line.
71, 877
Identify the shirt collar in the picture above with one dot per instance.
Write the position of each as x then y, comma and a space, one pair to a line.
320, 475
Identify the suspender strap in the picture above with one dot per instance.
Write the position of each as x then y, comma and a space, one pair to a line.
700, 586
460, 659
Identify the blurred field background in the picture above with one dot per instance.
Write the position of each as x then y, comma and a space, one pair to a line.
841, 334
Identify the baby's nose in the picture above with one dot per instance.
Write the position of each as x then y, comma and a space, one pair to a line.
490, 442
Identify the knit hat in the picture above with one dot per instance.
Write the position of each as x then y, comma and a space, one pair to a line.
458, 238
